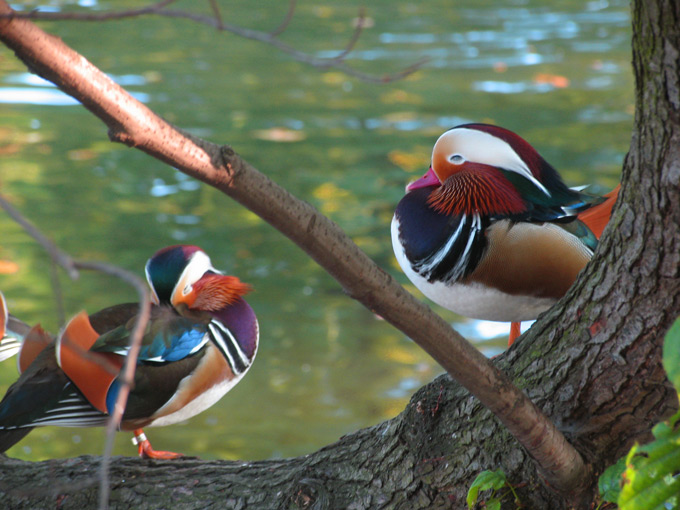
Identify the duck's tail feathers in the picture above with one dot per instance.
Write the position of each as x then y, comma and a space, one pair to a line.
12, 331
597, 217
10, 437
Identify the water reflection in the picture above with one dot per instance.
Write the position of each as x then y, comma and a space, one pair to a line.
42, 92
160, 188
45, 97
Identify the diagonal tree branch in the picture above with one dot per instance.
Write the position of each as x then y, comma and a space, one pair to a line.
132, 123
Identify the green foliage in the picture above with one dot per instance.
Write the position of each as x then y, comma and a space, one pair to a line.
652, 476
489, 480
649, 479
609, 483
671, 354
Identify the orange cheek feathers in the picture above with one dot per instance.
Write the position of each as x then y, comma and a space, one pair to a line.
214, 292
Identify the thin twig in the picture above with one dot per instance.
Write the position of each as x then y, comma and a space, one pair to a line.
218, 16
216, 22
59, 256
361, 19
286, 21
298, 55
58, 294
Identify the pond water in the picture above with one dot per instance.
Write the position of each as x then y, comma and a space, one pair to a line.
557, 73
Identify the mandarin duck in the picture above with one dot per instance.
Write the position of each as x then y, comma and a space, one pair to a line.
200, 341
491, 231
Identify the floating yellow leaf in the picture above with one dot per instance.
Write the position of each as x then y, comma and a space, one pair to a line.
249, 217
333, 198
400, 355
328, 191
323, 11
279, 134
409, 161
334, 78
152, 76
400, 96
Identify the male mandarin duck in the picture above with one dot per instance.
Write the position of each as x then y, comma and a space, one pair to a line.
200, 341
491, 231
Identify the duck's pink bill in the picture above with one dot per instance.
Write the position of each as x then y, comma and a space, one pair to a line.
429, 179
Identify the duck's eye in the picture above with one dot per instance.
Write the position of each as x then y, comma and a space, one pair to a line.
186, 290
457, 159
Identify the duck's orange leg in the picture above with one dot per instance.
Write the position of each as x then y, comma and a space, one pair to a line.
515, 331
147, 452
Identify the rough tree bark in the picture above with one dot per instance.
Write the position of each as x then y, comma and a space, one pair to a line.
592, 364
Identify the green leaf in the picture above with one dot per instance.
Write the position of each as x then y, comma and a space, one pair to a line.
493, 504
485, 480
651, 478
609, 483
671, 354
652, 475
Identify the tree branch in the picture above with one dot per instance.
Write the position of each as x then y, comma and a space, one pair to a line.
215, 21
132, 123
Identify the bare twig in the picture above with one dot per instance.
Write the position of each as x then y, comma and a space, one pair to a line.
58, 294
218, 15
134, 124
215, 21
360, 24
286, 21
62, 258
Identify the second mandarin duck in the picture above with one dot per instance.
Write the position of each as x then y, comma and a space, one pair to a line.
200, 341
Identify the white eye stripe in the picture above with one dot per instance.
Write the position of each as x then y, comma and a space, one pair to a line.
485, 148
198, 265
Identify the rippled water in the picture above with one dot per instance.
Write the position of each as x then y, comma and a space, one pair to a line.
555, 72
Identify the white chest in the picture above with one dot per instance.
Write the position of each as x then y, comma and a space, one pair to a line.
471, 300
187, 401
197, 405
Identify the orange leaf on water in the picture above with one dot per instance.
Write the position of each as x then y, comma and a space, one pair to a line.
8, 267
557, 81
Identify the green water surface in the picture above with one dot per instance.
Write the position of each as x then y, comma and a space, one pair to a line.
558, 73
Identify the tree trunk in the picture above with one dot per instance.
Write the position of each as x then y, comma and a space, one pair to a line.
592, 364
